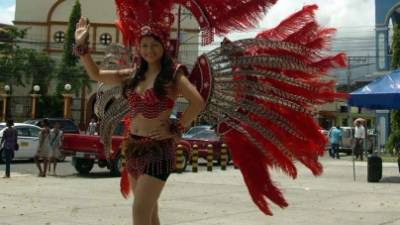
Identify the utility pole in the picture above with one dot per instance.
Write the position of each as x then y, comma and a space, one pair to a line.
354, 62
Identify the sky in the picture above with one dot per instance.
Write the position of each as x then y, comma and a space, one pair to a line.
345, 15
7, 9
353, 19
342, 14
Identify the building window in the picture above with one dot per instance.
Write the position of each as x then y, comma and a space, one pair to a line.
105, 39
59, 36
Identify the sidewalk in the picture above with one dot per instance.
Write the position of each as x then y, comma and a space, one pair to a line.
205, 198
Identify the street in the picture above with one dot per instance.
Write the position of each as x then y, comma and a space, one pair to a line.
204, 198
63, 168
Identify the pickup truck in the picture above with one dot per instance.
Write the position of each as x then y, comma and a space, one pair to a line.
86, 150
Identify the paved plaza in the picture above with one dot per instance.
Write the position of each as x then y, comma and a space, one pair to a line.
207, 198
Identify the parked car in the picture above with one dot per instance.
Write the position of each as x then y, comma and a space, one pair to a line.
28, 140
86, 150
67, 125
203, 139
196, 129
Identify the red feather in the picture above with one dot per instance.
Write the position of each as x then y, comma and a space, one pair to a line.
298, 87
252, 164
125, 184
223, 16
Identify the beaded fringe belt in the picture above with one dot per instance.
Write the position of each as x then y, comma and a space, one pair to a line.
146, 155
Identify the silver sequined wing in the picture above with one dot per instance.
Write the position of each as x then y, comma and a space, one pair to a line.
110, 105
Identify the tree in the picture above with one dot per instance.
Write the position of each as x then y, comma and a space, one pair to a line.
394, 137
12, 56
73, 75
68, 58
41, 69
69, 71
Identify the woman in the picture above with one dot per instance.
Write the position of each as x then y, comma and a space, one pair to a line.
9, 142
151, 94
56, 136
43, 150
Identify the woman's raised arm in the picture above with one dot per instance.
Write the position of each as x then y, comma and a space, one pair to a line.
105, 76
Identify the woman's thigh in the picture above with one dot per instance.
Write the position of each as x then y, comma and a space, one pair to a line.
147, 190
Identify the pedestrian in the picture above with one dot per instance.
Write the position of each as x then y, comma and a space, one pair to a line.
335, 139
359, 138
9, 143
92, 128
43, 150
56, 137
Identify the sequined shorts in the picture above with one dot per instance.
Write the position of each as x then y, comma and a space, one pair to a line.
144, 155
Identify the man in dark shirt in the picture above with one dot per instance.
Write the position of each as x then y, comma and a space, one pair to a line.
9, 142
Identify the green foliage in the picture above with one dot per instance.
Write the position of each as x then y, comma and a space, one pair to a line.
396, 47
395, 129
68, 58
41, 70
395, 114
10, 36
12, 58
69, 72
73, 75
50, 106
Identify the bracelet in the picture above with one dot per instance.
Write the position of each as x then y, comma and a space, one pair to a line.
176, 127
80, 50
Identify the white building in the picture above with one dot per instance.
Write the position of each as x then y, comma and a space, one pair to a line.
47, 21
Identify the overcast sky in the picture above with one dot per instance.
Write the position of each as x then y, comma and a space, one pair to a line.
337, 13
353, 19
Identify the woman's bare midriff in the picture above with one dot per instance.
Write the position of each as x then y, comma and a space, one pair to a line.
142, 126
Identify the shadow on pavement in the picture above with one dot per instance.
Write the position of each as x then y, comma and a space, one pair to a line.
390, 180
92, 175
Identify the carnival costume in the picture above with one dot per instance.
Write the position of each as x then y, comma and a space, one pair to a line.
261, 93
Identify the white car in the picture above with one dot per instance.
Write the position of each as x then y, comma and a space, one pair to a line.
194, 130
28, 140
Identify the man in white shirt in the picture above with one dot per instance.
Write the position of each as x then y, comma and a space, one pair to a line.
359, 135
92, 128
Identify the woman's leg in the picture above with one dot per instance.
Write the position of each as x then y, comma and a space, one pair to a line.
155, 220
146, 193
37, 160
49, 166
8, 154
45, 164
54, 165
154, 216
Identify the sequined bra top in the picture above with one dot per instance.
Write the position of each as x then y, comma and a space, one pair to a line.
148, 104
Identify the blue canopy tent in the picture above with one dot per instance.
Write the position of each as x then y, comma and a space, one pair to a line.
383, 93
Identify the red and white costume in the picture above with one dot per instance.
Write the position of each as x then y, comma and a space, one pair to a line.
261, 92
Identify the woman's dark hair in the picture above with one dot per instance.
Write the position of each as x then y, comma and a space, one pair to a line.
45, 122
163, 78
10, 123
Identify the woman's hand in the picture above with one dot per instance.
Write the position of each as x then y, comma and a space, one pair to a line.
82, 31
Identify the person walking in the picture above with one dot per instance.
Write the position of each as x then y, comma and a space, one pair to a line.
335, 139
359, 136
56, 136
92, 128
43, 151
9, 142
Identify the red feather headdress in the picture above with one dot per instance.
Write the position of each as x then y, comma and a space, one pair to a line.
141, 17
